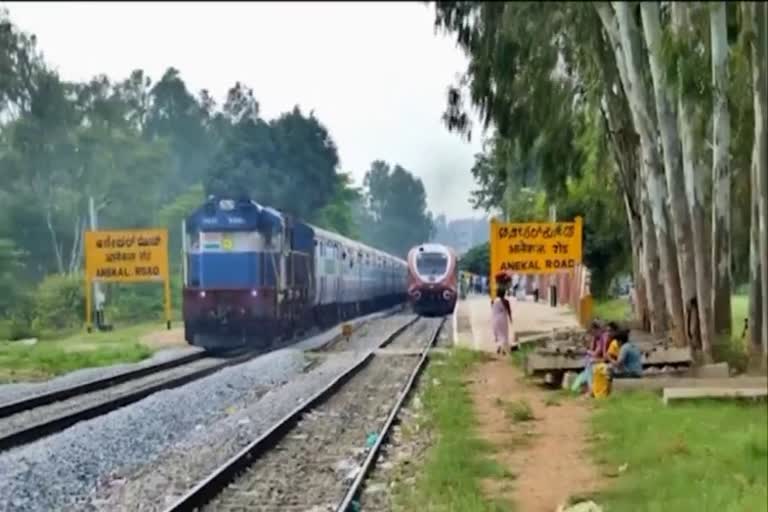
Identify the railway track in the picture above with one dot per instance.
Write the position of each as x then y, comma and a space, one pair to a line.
33, 418
41, 399
316, 458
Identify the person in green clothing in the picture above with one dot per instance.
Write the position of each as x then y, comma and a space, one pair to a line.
629, 364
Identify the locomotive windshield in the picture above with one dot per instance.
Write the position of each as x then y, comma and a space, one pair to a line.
431, 263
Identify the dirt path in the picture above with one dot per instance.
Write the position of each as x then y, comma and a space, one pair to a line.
164, 338
548, 455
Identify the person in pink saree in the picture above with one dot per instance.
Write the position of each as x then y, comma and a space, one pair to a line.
501, 317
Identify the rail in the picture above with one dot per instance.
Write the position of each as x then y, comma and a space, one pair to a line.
370, 460
209, 488
25, 404
40, 430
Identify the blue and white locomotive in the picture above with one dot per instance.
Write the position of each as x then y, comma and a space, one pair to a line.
254, 276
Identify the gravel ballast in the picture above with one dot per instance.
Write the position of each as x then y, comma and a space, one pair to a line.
156, 485
43, 414
311, 468
18, 391
58, 472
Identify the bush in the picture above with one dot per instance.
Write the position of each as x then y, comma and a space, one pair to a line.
140, 301
59, 302
20, 318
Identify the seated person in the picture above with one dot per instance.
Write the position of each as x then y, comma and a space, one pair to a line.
599, 340
612, 353
629, 364
595, 354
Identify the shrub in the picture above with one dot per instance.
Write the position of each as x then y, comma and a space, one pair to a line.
20, 318
59, 302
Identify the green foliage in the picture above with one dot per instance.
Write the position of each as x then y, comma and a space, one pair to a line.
10, 263
395, 217
616, 310
477, 260
272, 161
50, 358
59, 302
458, 461
147, 152
338, 215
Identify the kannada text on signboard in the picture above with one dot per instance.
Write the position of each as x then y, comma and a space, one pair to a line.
536, 247
127, 256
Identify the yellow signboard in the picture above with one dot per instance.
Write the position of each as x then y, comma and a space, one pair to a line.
127, 256
535, 247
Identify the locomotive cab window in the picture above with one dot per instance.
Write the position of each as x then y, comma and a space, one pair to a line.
431, 263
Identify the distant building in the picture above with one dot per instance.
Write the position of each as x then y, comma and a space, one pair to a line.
460, 234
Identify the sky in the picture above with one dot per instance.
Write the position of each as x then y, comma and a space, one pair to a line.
375, 74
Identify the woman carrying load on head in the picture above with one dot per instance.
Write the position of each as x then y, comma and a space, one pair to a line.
501, 316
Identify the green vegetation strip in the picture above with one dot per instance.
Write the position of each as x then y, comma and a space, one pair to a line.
49, 358
459, 460
702, 456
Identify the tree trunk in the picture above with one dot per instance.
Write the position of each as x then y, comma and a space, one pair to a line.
624, 144
642, 312
694, 191
721, 174
755, 318
670, 139
653, 172
760, 156
650, 262
54, 241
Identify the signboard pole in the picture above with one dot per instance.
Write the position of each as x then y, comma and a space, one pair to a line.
167, 290
96, 287
88, 290
492, 254
552, 282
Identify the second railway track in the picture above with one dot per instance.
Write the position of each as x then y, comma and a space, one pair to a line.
316, 457
46, 416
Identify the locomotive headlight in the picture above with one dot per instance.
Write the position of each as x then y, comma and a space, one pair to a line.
202, 294
417, 295
254, 293
447, 295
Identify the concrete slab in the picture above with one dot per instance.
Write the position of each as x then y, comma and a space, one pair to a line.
660, 383
712, 371
527, 317
541, 363
680, 394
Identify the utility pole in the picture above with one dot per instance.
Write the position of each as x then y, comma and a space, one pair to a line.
98, 295
553, 285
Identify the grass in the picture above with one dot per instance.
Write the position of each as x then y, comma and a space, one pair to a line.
518, 356
49, 358
518, 411
457, 462
701, 456
616, 310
